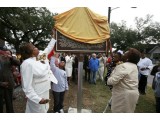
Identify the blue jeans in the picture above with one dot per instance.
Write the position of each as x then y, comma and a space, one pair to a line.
93, 75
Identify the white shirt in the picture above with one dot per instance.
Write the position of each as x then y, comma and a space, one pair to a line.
61, 77
69, 61
145, 63
36, 75
101, 62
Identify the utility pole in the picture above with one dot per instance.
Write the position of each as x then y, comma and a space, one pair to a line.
109, 14
108, 43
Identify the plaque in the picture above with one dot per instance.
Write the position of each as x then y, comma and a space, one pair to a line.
66, 44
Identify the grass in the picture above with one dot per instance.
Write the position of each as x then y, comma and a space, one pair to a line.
100, 94
146, 103
96, 97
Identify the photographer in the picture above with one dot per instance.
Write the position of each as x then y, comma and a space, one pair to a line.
124, 79
116, 60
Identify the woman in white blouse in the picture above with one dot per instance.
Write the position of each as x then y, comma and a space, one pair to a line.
36, 77
69, 66
124, 79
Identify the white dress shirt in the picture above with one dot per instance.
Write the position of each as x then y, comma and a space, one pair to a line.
68, 65
145, 63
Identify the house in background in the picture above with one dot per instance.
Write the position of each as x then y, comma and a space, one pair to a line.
155, 54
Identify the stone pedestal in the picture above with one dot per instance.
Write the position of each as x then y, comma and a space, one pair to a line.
74, 110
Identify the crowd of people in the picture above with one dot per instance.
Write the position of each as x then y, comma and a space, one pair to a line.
7, 79
126, 77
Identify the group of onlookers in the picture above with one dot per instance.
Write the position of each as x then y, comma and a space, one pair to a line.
126, 77
8, 78
128, 82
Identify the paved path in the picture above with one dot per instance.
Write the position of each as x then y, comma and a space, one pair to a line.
150, 79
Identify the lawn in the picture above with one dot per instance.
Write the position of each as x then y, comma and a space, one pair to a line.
95, 98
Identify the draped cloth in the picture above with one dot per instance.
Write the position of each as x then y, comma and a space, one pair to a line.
83, 25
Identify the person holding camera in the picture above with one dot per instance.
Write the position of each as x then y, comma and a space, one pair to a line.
124, 79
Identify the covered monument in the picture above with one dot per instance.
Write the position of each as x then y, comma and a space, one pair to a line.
83, 27
81, 30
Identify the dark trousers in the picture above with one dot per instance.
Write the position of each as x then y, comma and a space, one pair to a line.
87, 74
58, 100
157, 104
142, 83
6, 96
75, 75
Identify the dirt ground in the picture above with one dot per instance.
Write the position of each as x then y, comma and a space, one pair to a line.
88, 101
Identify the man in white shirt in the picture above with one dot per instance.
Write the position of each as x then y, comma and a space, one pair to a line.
144, 66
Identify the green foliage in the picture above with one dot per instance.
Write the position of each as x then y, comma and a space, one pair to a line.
122, 37
152, 32
146, 103
21, 24
30, 24
146, 32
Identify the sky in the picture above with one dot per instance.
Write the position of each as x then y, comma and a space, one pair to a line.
124, 12
127, 14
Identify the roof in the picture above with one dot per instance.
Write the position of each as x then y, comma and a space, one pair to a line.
157, 46
149, 47
83, 25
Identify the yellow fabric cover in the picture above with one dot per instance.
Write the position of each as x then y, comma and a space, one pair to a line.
82, 25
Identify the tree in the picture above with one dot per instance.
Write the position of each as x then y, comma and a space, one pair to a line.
152, 33
122, 37
146, 32
29, 24
141, 24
